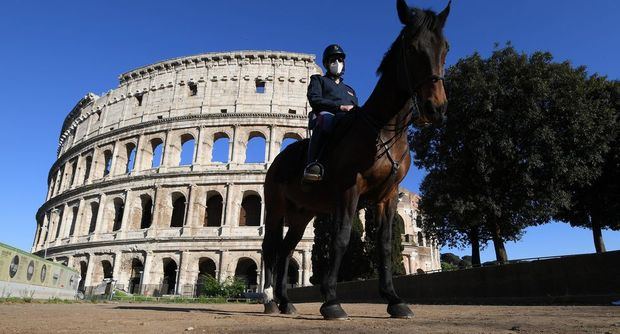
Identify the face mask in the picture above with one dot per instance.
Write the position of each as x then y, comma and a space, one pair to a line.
336, 66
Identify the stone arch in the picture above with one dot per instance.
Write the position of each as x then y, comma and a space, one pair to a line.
187, 154
82, 269
289, 138
420, 239
135, 276
90, 218
293, 273
87, 167
250, 214
119, 209
220, 151
169, 277
214, 209
177, 218
256, 148
102, 271
107, 162
206, 267
246, 270
74, 220
146, 211
154, 153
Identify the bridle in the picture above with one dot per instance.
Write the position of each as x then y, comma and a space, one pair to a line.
412, 90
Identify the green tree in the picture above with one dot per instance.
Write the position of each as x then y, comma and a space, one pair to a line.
521, 132
597, 205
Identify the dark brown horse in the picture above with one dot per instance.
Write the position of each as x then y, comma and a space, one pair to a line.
368, 158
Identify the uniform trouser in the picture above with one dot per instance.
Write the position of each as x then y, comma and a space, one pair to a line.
321, 126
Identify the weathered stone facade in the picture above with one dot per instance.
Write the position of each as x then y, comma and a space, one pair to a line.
123, 204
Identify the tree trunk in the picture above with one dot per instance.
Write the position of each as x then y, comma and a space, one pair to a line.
599, 244
498, 243
474, 239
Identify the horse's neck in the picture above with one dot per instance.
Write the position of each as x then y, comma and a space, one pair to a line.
386, 103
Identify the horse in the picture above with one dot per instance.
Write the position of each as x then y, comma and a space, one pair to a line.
367, 159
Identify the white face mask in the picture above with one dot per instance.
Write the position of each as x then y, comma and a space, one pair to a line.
336, 66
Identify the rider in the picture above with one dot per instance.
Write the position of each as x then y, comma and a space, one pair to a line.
328, 97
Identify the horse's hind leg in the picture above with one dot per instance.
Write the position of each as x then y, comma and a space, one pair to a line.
274, 222
297, 223
384, 217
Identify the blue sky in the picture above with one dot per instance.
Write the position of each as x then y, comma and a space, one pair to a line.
53, 53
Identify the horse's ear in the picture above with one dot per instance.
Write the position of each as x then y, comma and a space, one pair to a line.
443, 16
404, 12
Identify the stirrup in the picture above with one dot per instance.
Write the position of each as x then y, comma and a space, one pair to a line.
313, 172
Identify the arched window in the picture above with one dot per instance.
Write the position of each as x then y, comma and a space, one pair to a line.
288, 139
83, 268
131, 157
156, 151
178, 210
94, 209
106, 267
250, 211
246, 272
206, 267
59, 223
119, 208
169, 279
107, 164
213, 211
420, 239
146, 217
255, 152
187, 150
74, 216
293, 273
135, 276
220, 148
89, 162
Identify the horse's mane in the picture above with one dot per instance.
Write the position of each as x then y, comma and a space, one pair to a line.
424, 20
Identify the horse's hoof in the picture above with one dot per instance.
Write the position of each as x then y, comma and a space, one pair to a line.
271, 307
288, 308
400, 311
333, 311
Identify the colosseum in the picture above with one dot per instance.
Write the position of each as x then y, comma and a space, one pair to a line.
154, 183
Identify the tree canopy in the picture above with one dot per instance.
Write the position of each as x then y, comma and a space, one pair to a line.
521, 133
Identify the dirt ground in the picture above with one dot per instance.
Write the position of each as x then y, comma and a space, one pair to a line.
247, 318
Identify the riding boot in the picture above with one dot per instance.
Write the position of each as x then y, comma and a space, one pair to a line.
314, 169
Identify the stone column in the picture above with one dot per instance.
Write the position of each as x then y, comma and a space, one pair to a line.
307, 265
137, 162
157, 223
201, 155
412, 267
114, 169
165, 159
78, 221
270, 153
184, 260
100, 228
146, 273
224, 262
118, 260
88, 282
189, 217
126, 211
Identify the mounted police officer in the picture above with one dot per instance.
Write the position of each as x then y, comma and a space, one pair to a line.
329, 97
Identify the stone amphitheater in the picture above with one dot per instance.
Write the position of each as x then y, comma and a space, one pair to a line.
138, 195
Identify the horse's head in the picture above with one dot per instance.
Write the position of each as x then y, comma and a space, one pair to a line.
422, 60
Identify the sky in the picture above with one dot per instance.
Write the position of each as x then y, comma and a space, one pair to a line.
54, 52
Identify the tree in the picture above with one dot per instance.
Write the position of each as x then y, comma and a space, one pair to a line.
355, 263
597, 206
521, 132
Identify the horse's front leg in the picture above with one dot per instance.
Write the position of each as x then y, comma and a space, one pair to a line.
385, 212
341, 233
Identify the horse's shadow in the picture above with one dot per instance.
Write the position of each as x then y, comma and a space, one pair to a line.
229, 313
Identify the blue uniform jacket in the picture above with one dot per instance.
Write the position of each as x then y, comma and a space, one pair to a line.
324, 94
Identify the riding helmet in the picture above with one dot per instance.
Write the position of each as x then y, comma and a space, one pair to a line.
333, 50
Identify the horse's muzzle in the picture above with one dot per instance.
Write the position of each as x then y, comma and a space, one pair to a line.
435, 114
